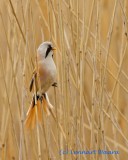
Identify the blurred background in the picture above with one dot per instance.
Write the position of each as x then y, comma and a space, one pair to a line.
91, 101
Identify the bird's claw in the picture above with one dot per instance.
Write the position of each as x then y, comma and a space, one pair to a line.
54, 84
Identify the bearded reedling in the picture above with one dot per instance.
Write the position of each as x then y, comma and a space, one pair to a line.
43, 77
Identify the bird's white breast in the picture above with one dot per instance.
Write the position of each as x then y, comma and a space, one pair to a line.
47, 73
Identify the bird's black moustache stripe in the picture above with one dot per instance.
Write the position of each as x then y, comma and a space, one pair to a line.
48, 50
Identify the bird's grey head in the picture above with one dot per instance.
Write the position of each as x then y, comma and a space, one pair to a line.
45, 50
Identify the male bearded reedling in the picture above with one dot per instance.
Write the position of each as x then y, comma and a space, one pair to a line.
43, 78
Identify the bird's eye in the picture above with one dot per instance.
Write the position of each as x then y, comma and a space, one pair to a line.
48, 50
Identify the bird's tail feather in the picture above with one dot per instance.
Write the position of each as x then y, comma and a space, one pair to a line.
31, 118
31, 114
45, 106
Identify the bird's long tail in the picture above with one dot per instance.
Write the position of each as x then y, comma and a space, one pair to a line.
35, 110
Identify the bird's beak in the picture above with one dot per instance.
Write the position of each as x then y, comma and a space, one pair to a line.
54, 50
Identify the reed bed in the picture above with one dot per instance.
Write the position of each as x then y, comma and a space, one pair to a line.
91, 101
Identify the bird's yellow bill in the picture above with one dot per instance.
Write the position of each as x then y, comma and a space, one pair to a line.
54, 50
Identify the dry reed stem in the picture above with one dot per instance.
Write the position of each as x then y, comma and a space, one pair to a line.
92, 76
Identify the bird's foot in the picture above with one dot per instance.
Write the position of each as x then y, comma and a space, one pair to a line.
54, 84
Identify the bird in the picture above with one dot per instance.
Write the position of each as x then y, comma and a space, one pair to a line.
44, 76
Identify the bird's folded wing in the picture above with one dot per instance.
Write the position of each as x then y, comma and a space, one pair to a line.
34, 79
